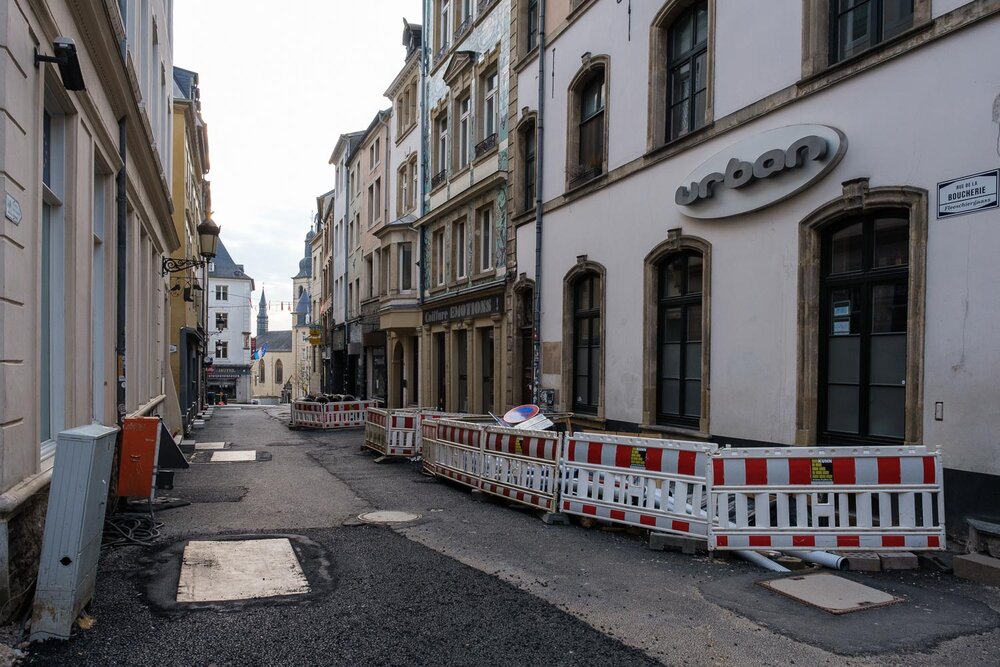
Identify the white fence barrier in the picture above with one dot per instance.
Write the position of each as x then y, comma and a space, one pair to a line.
458, 451
343, 414
644, 482
833, 499
521, 465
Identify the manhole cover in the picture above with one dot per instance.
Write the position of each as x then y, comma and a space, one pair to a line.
388, 516
830, 592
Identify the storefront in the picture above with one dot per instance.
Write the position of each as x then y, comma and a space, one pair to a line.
230, 384
463, 360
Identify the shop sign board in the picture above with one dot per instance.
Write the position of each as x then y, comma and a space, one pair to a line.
968, 194
487, 305
760, 171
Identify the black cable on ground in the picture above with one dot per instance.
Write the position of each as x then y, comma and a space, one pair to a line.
124, 529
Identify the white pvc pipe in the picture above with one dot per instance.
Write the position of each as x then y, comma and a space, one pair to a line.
823, 558
763, 561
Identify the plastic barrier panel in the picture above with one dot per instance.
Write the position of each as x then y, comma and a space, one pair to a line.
458, 451
375, 429
521, 465
833, 499
428, 445
393, 433
344, 414
645, 482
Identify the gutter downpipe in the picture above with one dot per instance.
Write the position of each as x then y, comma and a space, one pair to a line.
121, 269
536, 336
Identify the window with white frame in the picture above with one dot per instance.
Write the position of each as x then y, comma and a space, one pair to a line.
463, 19
444, 24
459, 240
378, 199
403, 189
222, 292
221, 349
411, 203
491, 105
485, 249
53, 275
437, 259
222, 321
464, 130
442, 146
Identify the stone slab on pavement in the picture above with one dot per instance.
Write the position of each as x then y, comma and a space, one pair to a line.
898, 560
925, 618
209, 445
216, 571
978, 567
233, 457
830, 592
862, 561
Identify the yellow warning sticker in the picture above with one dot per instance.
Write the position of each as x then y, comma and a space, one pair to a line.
638, 458
822, 470
518, 447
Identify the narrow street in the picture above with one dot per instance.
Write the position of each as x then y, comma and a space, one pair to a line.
469, 582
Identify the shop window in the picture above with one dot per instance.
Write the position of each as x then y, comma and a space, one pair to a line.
588, 125
864, 308
486, 362
587, 333
440, 370
679, 339
462, 369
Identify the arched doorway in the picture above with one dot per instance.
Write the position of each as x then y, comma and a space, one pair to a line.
398, 368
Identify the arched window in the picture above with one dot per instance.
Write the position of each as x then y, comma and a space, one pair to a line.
586, 157
587, 334
260, 372
278, 372
687, 71
679, 339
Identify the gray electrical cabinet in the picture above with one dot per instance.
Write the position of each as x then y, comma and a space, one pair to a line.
74, 524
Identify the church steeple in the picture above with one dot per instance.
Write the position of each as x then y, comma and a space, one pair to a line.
262, 315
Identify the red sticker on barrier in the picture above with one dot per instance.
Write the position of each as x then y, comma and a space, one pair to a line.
843, 471
893, 541
889, 470
800, 471
848, 541
930, 470
681, 526
803, 540
654, 459
647, 520
685, 462
760, 540
617, 515
934, 541
719, 470
722, 541
589, 509
594, 452
623, 456
756, 470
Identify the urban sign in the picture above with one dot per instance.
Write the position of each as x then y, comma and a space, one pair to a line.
760, 171
488, 305
12, 210
968, 194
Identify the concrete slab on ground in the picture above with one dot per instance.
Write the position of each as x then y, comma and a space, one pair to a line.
216, 571
209, 445
234, 457
831, 593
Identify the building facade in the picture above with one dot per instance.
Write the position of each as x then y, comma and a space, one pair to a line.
273, 360
230, 293
84, 319
463, 225
192, 202
302, 349
777, 234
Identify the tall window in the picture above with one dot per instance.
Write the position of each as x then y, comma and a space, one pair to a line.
687, 71
857, 25
460, 241
261, 375
525, 319
378, 202
444, 24
590, 126
464, 18
221, 349
679, 338
437, 260
864, 307
278, 372
485, 253
529, 143
486, 361
405, 267
532, 32
403, 189
442, 146
371, 204
53, 286
221, 321
462, 369
414, 184
222, 292
464, 128
102, 196
586, 360
490, 105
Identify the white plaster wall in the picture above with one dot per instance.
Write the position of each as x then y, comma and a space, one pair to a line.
238, 308
901, 131
939, 7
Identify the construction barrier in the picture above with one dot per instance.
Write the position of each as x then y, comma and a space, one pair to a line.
428, 445
521, 465
458, 451
343, 414
375, 429
833, 499
644, 482
398, 432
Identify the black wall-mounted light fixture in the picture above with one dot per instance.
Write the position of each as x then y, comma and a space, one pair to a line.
208, 241
67, 60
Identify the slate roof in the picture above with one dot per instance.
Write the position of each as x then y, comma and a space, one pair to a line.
276, 341
225, 267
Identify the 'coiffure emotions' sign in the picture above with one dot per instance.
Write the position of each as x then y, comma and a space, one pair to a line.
760, 171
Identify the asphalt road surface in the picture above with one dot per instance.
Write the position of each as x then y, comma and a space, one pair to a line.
471, 582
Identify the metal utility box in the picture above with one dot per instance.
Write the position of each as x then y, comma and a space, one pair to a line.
140, 447
74, 524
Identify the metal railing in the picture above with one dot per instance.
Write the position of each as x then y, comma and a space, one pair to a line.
486, 145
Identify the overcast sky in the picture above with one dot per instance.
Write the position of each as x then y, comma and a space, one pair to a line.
280, 82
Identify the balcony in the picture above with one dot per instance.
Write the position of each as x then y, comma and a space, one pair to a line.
439, 178
486, 145
463, 28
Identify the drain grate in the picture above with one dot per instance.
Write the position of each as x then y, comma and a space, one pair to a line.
830, 593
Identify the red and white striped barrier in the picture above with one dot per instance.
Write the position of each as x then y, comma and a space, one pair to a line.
399, 432
833, 499
521, 465
644, 482
458, 451
343, 414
